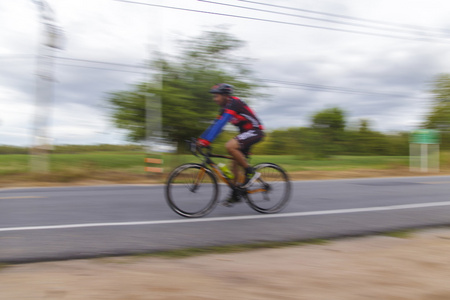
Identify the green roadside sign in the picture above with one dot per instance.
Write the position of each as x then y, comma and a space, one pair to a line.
425, 136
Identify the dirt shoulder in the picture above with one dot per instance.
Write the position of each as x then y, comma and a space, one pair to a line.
378, 267
124, 178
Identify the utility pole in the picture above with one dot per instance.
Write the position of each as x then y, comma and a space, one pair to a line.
50, 39
153, 108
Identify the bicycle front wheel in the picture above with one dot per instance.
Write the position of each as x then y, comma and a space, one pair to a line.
271, 192
192, 190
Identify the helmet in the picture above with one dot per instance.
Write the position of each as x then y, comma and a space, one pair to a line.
222, 88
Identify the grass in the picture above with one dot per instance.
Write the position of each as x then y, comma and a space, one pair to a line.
13, 164
129, 165
190, 252
401, 234
335, 163
72, 167
238, 248
18, 163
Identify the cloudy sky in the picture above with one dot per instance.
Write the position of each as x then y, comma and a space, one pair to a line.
390, 67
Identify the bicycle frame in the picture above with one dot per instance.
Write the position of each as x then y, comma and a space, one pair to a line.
206, 159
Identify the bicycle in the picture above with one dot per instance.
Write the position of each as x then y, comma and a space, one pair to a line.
192, 189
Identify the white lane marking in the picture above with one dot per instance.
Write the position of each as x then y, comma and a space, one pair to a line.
20, 197
218, 219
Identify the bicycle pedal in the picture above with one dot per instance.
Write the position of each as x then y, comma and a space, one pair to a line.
227, 203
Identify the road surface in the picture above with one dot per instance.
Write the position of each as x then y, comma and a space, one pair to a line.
39, 224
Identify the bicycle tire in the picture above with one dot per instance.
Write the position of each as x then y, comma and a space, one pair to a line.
174, 183
264, 182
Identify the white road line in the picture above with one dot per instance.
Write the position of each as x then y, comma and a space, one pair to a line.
218, 219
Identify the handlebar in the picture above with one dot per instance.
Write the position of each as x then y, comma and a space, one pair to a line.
195, 149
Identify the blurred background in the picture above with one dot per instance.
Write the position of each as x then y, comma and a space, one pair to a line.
88, 90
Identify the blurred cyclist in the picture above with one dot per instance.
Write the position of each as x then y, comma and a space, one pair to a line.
235, 111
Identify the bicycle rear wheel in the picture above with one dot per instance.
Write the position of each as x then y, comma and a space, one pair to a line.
271, 192
192, 190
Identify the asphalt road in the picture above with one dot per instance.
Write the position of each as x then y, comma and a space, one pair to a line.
39, 224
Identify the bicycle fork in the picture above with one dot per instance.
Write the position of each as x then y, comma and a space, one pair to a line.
198, 180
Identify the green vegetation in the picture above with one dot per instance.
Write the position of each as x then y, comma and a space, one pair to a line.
328, 144
125, 163
13, 164
6, 149
133, 163
298, 163
401, 234
333, 163
186, 78
328, 136
439, 116
18, 163
189, 252
226, 249
311, 143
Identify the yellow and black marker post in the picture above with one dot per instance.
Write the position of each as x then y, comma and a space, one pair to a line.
154, 166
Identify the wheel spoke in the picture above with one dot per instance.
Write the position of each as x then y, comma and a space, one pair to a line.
192, 190
272, 190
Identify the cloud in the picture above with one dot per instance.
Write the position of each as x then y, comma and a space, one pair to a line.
126, 34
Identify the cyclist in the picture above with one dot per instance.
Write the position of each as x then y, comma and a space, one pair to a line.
235, 111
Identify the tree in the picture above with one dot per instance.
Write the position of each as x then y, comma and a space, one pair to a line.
364, 126
329, 125
330, 118
186, 79
364, 140
439, 116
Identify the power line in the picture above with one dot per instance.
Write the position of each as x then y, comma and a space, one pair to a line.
351, 18
299, 85
80, 60
102, 62
317, 19
97, 68
283, 22
335, 89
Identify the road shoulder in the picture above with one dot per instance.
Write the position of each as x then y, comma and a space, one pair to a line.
408, 266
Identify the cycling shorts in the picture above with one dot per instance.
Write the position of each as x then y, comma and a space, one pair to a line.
248, 138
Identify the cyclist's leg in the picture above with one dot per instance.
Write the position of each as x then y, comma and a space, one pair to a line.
234, 149
239, 148
233, 196
236, 169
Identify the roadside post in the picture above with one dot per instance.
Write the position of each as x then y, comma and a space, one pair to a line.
51, 39
424, 151
154, 163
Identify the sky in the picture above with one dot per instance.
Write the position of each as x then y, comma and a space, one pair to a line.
392, 73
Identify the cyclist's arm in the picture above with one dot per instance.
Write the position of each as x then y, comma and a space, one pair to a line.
213, 131
209, 128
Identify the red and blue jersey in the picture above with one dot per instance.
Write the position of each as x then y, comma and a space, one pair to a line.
238, 113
